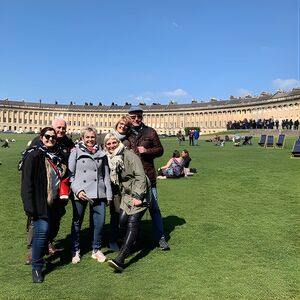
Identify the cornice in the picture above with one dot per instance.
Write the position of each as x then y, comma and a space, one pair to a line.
240, 103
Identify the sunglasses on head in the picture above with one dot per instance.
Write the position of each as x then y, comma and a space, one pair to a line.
48, 137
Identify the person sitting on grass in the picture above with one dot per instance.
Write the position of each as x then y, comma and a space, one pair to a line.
187, 171
174, 167
5, 144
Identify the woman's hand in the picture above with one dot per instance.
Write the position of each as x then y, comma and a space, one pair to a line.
82, 196
136, 202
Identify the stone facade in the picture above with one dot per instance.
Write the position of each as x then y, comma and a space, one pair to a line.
210, 116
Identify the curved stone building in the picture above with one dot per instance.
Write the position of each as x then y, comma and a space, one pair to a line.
210, 116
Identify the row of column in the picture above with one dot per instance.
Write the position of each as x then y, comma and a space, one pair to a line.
160, 121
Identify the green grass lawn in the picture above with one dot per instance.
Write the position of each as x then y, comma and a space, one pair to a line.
233, 229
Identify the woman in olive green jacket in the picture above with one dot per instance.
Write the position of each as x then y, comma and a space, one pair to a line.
130, 181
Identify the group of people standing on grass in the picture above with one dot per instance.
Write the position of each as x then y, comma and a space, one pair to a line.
263, 124
115, 170
193, 135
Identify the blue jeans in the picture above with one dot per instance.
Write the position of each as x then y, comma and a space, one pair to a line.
97, 218
156, 215
39, 242
55, 213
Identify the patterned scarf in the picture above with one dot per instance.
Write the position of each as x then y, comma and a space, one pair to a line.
90, 150
50, 154
55, 160
116, 163
52, 162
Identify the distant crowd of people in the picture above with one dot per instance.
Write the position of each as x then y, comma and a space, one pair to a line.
115, 170
264, 124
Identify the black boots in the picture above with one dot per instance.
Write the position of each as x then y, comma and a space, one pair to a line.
132, 230
37, 276
118, 263
118, 267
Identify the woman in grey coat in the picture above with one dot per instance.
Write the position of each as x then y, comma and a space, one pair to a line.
90, 182
127, 173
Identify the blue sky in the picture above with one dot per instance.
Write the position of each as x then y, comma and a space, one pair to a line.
146, 50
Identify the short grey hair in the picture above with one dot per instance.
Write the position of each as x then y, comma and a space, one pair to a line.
110, 136
88, 129
58, 120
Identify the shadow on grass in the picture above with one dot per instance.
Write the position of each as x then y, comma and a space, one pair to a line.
146, 242
64, 257
144, 245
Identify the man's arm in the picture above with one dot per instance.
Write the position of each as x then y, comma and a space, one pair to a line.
157, 149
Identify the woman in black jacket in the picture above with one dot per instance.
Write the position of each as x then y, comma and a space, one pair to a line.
42, 171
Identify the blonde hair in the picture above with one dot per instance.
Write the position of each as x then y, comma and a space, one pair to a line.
88, 129
125, 119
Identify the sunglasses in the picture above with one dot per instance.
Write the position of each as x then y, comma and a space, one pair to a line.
48, 137
133, 117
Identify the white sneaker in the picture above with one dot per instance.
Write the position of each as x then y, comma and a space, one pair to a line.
76, 257
189, 174
114, 247
99, 256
